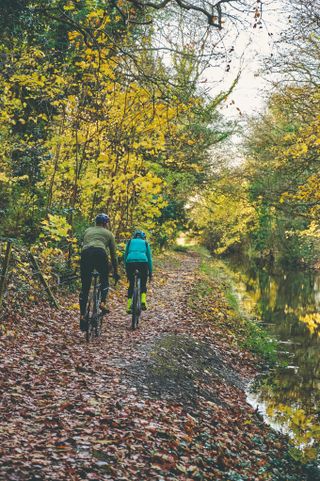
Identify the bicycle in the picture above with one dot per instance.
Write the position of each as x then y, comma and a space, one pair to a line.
93, 312
136, 300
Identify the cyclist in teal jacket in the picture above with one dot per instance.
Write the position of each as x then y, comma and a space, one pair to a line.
138, 256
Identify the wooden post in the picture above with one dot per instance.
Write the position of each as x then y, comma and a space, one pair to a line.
4, 273
36, 267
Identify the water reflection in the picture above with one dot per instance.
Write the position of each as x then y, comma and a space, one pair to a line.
288, 302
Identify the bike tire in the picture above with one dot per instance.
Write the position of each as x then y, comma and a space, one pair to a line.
98, 318
138, 300
98, 327
134, 319
90, 316
89, 330
136, 305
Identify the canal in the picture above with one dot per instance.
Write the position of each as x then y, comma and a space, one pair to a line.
287, 302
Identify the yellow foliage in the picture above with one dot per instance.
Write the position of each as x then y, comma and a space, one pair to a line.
4, 178
107, 138
312, 321
102, 164
304, 429
56, 227
225, 212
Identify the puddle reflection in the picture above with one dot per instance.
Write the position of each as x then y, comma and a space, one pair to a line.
288, 303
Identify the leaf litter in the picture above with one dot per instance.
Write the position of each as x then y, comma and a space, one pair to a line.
165, 402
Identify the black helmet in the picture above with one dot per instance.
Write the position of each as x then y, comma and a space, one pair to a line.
139, 234
102, 219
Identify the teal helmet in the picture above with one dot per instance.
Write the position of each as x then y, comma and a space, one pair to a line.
139, 234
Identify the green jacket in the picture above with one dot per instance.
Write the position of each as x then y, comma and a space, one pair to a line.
98, 236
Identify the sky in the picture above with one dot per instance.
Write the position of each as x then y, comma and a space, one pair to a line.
251, 47
249, 94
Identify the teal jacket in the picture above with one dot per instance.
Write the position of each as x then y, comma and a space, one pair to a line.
138, 250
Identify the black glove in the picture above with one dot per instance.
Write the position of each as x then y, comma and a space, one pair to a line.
116, 277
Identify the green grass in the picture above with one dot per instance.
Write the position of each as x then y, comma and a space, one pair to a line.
232, 298
202, 251
198, 249
179, 248
253, 337
258, 341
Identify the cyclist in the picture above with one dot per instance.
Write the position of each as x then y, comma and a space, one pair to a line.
96, 242
138, 256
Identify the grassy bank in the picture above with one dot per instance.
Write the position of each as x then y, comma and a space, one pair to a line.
215, 296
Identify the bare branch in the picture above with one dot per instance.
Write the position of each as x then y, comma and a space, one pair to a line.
211, 10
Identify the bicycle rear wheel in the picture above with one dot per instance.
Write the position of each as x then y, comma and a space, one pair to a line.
98, 315
136, 305
89, 318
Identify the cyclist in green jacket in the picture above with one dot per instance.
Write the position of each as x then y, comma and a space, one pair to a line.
138, 256
96, 242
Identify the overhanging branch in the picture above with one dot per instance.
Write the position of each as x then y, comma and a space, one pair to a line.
211, 10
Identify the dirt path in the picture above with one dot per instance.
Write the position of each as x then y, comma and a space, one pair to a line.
163, 403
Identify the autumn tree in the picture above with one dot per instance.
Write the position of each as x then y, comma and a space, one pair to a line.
282, 148
87, 126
